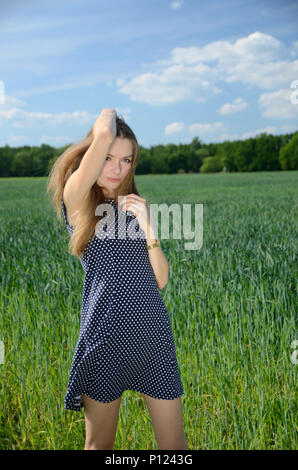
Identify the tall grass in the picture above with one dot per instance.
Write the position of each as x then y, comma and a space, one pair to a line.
232, 304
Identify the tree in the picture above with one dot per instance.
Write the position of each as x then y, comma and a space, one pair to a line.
144, 161
6, 158
243, 154
263, 152
195, 144
288, 155
267, 152
225, 154
22, 164
199, 158
211, 165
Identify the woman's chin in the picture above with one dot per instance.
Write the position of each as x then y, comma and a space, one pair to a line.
108, 191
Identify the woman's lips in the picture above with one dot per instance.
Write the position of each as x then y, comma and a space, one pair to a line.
114, 179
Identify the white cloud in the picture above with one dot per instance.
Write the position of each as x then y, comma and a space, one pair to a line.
230, 137
194, 73
60, 140
278, 104
174, 128
264, 76
176, 4
239, 104
11, 101
209, 128
256, 47
174, 84
21, 118
16, 139
202, 129
258, 59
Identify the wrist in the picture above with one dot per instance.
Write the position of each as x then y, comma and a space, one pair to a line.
103, 135
153, 244
150, 241
150, 235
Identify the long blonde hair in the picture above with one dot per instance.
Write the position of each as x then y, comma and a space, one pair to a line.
66, 164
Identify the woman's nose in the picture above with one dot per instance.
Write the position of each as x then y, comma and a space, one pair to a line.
117, 168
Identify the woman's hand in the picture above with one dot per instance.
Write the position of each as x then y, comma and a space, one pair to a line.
106, 123
139, 207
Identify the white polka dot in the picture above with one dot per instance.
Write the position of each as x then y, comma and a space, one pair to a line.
125, 340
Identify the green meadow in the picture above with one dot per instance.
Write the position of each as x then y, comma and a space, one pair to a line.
232, 304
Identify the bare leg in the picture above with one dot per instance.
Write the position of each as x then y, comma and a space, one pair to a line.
101, 423
167, 422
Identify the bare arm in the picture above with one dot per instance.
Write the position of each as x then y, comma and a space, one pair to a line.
93, 160
81, 181
158, 261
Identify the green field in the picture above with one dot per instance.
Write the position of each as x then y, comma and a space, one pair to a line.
232, 304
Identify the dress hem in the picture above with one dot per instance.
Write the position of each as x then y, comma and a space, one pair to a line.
74, 407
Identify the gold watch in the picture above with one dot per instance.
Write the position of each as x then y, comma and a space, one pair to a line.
153, 245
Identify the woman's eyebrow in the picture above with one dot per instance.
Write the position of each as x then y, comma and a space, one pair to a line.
110, 155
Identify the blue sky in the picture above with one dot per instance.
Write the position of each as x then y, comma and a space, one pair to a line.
173, 69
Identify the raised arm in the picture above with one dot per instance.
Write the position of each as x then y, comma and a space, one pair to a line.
81, 181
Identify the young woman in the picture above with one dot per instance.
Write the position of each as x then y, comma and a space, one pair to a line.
125, 340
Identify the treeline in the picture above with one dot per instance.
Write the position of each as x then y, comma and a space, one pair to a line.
265, 152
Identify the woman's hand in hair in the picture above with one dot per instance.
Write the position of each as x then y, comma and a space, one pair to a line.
105, 124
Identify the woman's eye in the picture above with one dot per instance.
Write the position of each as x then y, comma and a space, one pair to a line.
125, 159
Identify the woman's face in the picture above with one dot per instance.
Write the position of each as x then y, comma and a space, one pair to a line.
117, 164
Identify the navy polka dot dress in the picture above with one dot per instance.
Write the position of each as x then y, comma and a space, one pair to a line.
125, 340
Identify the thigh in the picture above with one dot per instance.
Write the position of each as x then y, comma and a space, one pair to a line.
167, 422
101, 422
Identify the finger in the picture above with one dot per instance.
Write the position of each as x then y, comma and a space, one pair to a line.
130, 199
135, 200
135, 196
128, 205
